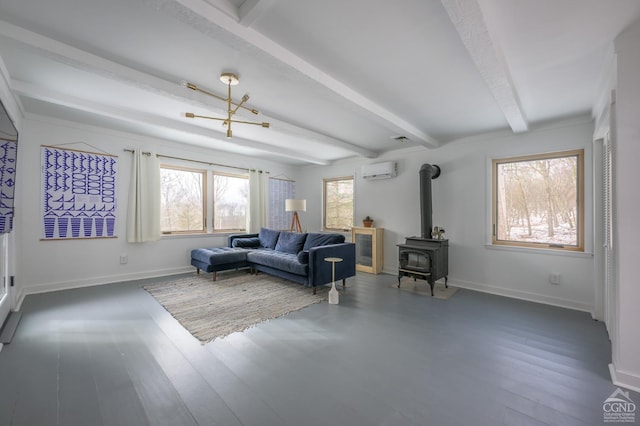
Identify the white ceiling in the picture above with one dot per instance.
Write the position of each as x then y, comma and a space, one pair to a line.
335, 78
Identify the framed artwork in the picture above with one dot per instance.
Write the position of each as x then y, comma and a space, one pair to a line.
79, 193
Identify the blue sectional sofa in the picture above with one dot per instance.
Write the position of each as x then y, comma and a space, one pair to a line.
298, 257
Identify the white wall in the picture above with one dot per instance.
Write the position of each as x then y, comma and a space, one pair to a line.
626, 198
12, 107
52, 265
461, 205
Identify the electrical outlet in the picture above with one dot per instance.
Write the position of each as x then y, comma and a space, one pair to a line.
124, 259
555, 279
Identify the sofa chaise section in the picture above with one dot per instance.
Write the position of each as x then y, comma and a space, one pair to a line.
218, 259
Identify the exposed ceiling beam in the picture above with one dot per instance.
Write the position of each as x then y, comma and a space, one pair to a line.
12, 102
97, 65
251, 10
32, 91
200, 9
226, 7
469, 21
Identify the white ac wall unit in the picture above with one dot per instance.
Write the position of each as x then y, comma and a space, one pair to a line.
385, 170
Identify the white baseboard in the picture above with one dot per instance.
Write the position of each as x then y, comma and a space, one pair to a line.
624, 379
500, 291
515, 294
523, 295
88, 282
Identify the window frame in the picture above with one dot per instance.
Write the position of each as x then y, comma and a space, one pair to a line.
215, 173
204, 173
324, 202
580, 200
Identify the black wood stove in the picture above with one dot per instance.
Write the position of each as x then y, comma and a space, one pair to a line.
424, 257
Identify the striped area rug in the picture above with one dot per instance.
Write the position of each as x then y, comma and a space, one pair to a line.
236, 301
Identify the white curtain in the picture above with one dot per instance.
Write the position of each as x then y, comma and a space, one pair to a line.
258, 200
143, 217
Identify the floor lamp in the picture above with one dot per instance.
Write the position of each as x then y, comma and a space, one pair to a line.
295, 205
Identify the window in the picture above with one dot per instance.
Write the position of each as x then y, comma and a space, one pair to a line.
230, 202
538, 201
182, 200
279, 191
338, 203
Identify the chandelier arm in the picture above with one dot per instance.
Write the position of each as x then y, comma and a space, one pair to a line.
251, 122
206, 92
205, 116
229, 112
226, 120
240, 105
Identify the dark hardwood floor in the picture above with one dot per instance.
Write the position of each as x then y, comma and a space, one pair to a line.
111, 355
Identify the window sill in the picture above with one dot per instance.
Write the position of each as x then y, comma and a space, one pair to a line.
542, 251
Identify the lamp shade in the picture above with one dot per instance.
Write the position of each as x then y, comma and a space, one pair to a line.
295, 205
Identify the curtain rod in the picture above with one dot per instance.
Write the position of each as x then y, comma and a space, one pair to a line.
282, 179
197, 161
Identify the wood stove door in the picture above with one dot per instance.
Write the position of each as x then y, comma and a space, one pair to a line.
415, 260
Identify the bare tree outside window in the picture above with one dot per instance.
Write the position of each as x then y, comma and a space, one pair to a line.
182, 200
338, 203
231, 202
538, 201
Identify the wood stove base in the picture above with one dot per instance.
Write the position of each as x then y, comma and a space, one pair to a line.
420, 275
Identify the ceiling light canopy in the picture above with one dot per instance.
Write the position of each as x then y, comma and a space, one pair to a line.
229, 79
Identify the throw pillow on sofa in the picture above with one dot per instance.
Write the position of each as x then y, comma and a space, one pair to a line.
303, 256
268, 237
246, 242
317, 239
290, 242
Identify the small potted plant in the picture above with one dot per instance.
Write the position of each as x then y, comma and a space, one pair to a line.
367, 222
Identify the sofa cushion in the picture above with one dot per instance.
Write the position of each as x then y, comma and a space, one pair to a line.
219, 255
303, 256
246, 242
315, 239
268, 237
279, 260
290, 242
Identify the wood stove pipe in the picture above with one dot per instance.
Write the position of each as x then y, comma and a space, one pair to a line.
427, 172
